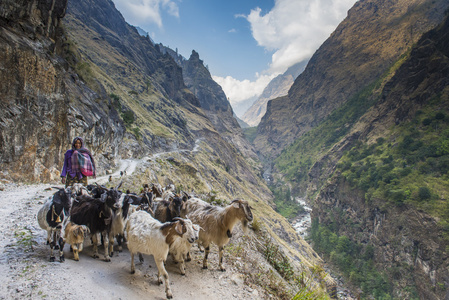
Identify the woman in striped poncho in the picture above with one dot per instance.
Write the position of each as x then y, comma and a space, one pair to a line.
78, 164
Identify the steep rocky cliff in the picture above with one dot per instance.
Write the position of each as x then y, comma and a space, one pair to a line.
277, 87
39, 107
373, 36
409, 237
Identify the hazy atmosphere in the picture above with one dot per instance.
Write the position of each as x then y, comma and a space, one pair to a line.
245, 44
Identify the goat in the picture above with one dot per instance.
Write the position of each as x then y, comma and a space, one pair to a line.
166, 210
156, 188
147, 235
74, 235
217, 223
52, 217
138, 202
180, 248
97, 214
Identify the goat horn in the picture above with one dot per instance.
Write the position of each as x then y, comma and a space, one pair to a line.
119, 185
178, 219
235, 200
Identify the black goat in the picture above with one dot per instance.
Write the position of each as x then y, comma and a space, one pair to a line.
52, 216
97, 214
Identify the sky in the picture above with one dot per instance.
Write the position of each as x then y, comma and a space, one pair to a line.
244, 43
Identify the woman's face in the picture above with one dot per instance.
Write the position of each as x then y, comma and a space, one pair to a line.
77, 144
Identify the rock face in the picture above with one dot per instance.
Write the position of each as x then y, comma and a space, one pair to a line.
405, 239
277, 87
38, 117
215, 104
371, 38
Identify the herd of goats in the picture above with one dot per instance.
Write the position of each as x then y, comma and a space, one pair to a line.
155, 222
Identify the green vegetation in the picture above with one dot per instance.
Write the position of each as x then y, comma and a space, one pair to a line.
116, 102
128, 117
409, 166
354, 260
285, 203
296, 160
250, 133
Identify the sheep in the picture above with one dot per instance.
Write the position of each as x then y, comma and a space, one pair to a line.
217, 223
74, 235
181, 247
147, 235
52, 217
97, 214
166, 210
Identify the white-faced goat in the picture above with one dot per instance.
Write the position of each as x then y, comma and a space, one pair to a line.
74, 235
180, 248
217, 223
147, 235
52, 217
97, 214
130, 204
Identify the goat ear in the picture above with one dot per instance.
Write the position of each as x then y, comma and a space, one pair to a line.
179, 228
235, 204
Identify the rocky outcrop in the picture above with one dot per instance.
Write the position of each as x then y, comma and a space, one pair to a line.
38, 116
277, 87
371, 38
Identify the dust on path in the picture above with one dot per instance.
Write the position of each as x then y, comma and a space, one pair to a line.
26, 273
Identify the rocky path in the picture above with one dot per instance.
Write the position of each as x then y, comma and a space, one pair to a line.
26, 273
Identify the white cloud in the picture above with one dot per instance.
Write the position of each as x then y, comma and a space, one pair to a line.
146, 11
294, 29
239, 90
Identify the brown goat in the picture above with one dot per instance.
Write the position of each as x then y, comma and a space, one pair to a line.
74, 235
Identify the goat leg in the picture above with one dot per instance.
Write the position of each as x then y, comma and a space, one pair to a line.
75, 254
105, 236
52, 246
206, 254
133, 270
61, 248
220, 259
111, 244
161, 271
95, 245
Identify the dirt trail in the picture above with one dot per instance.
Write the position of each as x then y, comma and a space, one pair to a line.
26, 273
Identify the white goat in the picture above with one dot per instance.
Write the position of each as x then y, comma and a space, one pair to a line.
217, 223
180, 248
147, 235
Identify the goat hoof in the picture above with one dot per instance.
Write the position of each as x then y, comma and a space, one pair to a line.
204, 267
107, 259
52, 259
62, 259
223, 269
189, 259
169, 296
95, 256
133, 271
111, 254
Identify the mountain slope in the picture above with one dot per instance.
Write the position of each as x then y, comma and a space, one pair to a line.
375, 170
373, 36
91, 74
397, 203
277, 87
